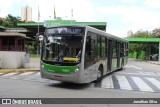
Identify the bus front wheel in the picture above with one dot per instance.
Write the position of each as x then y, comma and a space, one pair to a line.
99, 74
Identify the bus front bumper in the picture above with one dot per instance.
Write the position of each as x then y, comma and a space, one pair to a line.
73, 77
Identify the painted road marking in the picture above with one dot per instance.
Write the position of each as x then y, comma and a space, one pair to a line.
113, 81
141, 84
132, 66
124, 84
132, 83
155, 82
9, 74
27, 73
140, 73
107, 82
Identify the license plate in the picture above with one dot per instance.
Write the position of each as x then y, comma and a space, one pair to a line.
57, 77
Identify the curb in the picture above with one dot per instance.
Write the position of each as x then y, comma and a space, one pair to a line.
157, 63
18, 70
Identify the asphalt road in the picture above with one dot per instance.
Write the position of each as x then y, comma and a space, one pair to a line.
137, 80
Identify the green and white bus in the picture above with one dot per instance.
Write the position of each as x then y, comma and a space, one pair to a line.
80, 54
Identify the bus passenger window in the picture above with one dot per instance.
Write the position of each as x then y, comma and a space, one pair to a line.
115, 49
122, 50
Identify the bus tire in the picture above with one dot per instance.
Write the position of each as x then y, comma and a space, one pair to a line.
99, 73
122, 64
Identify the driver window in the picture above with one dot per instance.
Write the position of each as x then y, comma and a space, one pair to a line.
91, 53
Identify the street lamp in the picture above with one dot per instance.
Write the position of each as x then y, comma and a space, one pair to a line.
40, 37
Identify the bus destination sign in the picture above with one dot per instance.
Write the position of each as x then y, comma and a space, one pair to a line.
65, 30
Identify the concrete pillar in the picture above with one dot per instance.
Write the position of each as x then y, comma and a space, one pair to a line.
149, 53
159, 51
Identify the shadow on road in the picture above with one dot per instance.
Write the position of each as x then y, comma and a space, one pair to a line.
68, 85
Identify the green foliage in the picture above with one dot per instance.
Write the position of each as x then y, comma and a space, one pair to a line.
156, 33
35, 55
10, 21
30, 47
5, 23
142, 34
138, 47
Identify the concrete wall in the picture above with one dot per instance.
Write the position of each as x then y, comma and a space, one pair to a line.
12, 60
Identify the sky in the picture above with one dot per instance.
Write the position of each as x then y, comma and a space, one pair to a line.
120, 15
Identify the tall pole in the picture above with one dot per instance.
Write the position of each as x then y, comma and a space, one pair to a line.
71, 15
38, 29
54, 13
159, 51
38, 18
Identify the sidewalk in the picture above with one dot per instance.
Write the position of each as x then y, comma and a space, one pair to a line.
154, 62
151, 62
34, 66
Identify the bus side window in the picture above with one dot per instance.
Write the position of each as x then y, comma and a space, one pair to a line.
114, 49
122, 50
91, 49
126, 49
88, 46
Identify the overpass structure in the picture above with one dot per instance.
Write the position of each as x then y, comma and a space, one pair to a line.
32, 28
146, 40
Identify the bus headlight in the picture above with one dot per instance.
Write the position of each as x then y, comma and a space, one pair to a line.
76, 70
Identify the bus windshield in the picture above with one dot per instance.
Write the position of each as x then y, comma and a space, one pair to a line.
62, 48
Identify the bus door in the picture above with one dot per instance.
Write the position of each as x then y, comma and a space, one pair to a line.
118, 54
109, 61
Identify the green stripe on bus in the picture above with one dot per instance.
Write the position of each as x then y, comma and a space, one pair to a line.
59, 69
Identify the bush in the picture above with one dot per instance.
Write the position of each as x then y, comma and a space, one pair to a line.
29, 49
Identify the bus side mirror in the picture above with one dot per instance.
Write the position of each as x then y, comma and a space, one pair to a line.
39, 37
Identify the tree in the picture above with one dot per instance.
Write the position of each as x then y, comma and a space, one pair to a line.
142, 34
5, 23
10, 21
156, 33
138, 47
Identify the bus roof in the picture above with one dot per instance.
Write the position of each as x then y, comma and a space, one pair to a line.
110, 36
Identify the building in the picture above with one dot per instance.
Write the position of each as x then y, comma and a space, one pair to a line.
26, 14
129, 33
12, 50
1, 18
